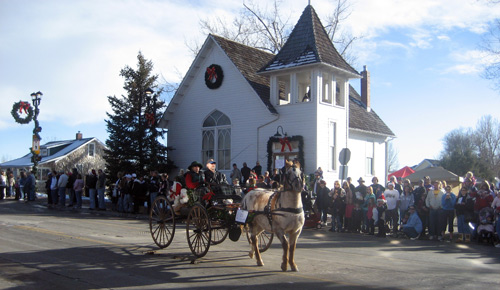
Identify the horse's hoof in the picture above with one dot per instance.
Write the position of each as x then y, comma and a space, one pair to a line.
260, 263
250, 255
283, 267
295, 269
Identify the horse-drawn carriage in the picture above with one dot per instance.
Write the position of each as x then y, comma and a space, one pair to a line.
207, 222
210, 222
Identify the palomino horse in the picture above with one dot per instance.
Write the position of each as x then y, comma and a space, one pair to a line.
280, 213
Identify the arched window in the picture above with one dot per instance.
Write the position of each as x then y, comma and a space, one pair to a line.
216, 140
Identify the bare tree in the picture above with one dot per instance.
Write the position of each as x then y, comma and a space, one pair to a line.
487, 141
268, 29
490, 45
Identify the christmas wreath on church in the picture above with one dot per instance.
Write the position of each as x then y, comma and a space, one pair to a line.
22, 108
214, 76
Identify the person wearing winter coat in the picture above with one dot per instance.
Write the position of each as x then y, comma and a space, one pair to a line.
434, 203
448, 201
464, 207
338, 207
323, 200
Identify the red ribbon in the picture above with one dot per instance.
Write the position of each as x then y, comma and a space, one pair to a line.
211, 74
208, 196
285, 141
150, 118
24, 106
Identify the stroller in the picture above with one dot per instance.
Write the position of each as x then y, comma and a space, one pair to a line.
485, 229
312, 216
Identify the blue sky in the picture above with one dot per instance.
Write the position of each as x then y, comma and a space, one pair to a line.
422, 55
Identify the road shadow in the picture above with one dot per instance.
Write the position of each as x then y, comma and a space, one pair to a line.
115, 267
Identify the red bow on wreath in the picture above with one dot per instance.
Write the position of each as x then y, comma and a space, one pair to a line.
150, 118
285, 141
212, 75
24, 106
208, 196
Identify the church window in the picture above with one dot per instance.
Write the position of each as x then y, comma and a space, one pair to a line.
304, 86
369, 158
216, 140
284, 89
326, 88
332, 140
340, 93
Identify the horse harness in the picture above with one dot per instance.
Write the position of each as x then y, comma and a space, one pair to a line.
270, 209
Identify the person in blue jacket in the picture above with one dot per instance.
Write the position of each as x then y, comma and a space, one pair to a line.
448, 201
413, 227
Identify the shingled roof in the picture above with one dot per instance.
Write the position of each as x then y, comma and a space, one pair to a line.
365, 120
307, 44
249, 60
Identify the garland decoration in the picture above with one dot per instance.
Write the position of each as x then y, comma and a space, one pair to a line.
18, 109
272, 140
214, 76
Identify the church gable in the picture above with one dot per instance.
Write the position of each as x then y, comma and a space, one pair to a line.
234, 62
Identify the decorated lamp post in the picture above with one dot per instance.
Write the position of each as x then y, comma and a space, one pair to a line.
23, 113
35, 149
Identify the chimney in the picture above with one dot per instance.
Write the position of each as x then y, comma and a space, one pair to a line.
79, 136
365, 88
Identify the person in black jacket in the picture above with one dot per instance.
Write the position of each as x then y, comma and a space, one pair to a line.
245, 172
323, 201
464, 207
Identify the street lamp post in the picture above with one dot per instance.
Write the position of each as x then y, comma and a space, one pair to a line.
35, 149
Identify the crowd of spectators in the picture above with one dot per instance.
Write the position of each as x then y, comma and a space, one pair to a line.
429, 210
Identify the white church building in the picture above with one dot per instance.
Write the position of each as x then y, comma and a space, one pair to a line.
240, 104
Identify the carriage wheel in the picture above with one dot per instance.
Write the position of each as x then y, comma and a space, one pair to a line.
162, 222
265, 239
219, 232
198, 230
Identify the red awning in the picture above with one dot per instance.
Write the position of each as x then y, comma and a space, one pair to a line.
403, 172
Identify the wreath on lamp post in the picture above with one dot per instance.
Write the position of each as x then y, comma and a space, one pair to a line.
22, 108
214, 76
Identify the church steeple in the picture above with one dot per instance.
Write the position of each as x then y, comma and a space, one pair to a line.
308, 43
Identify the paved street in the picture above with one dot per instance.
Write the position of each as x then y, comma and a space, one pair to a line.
43, 248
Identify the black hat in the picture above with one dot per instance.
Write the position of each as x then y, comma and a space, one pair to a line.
361, 179
195, 163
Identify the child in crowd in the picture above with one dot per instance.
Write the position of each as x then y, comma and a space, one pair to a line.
369, 215
381, 209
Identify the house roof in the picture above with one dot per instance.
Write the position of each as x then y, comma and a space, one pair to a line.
249, 60
435, 173
307, 44
70, 146
365, 120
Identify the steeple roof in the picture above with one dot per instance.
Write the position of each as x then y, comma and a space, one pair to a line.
307, 44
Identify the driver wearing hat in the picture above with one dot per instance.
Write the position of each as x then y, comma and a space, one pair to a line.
195, 177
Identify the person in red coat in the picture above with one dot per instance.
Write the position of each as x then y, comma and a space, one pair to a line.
195, 177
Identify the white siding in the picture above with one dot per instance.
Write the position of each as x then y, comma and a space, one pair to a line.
235, 98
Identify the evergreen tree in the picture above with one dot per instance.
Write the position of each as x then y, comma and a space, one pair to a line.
133, 144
